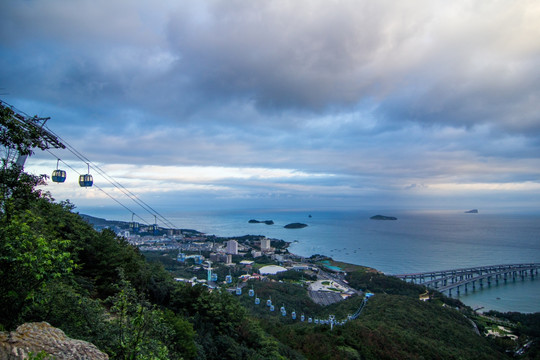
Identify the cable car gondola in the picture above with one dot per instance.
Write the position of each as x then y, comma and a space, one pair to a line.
134, 226
154, 227
58, 175
86, 180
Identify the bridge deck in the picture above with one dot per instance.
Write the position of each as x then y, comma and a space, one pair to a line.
465, 276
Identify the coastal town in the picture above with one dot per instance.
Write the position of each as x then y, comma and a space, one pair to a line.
197, 258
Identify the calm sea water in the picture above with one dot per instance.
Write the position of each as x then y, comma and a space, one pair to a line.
417, 241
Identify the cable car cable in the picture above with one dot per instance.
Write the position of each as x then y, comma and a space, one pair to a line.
114, 182
109, 178
99, 188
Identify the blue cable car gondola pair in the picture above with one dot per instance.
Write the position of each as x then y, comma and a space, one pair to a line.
59, 176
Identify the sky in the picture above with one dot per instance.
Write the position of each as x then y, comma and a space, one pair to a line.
202, 105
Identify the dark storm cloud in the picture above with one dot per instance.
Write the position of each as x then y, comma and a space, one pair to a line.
359, 95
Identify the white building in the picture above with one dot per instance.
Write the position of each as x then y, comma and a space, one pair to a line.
232, 247
271, 270
265, 244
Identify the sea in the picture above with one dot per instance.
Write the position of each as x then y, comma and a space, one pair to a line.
417, 241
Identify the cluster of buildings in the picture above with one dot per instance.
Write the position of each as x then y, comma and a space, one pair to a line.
205, 251
200, 243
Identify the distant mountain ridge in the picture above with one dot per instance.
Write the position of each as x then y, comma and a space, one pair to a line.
95, 221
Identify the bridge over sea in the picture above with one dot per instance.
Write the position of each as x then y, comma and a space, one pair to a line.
473, 277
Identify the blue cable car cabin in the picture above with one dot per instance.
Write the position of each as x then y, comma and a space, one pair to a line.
58, 176
134, 226
271, 307
251, 292
86, 180
257, 301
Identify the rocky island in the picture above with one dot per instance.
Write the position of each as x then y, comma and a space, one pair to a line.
295, 226
382, 217
473, 211
267, 222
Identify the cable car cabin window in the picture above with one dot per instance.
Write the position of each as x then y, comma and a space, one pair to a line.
86, 180
58, 176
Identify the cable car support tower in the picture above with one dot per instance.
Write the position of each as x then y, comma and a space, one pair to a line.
30, 132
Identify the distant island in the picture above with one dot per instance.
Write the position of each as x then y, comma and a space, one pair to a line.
267, 222
473, 211
295, 226
382, 217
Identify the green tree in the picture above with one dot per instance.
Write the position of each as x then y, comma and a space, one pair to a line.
139, 330
28, 260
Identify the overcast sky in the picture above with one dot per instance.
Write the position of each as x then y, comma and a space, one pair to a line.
304, 104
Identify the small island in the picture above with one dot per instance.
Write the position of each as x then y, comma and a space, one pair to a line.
267, 222
473, 211
295, 226
382, 217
